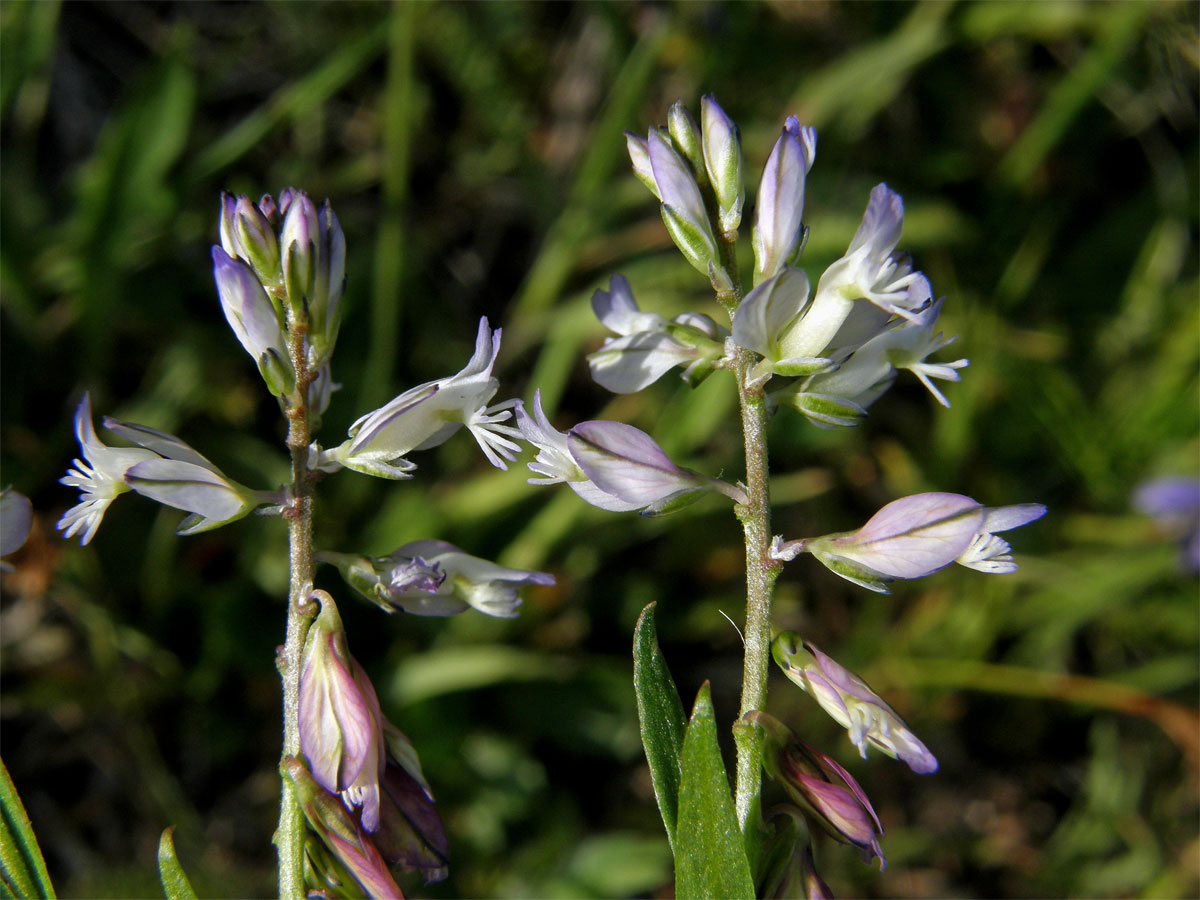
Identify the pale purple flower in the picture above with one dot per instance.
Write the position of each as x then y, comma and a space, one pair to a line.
827, 793
434, 578
341, 726
850, 702
162, 468
554, 464
1175, 504
779, 207
870, 270
612, 465
915, 536
427, 415
16, 518
648, 345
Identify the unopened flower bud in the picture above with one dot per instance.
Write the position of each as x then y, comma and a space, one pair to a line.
723, 161
682, 206
300, 243
779, 207
254, 320
686, 134
639, 157
256, 241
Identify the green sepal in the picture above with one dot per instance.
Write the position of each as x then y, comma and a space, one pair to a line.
803, 366
694, 242
852, 571
685, 134
710, 861
175, 883
673, 502
22, 869
661, 719
828, 410
277, 372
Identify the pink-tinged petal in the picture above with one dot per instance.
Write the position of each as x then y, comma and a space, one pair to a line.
914, 536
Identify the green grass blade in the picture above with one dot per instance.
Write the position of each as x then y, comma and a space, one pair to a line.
21, 865
175, 884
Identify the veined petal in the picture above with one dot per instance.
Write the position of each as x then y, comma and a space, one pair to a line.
623, 461
913, 536
765, 314
618, 311
627, 364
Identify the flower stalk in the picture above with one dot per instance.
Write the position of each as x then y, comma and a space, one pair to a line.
761, 571
289, 837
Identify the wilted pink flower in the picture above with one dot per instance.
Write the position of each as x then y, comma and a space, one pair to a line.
342, 833
341, 726
818, 785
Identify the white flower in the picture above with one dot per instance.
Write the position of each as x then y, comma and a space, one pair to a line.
100, 476
870, 270
648, 346
427, 415
779, 207
162, 468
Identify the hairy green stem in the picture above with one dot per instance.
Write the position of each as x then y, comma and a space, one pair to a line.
761, 571
289, 837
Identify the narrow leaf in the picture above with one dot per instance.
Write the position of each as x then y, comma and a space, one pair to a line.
661, 716
175, 884
22, 869
710, 861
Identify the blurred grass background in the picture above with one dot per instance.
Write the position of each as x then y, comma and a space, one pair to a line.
1047, 154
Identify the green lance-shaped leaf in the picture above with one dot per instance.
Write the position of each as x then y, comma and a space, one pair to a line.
175, 884
662, 719
710, 860
22, 869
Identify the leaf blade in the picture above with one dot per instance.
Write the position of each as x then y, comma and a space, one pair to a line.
22, 868
174, 882
661, 719
711, 857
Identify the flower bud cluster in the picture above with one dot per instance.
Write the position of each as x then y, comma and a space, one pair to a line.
692, 170
263, 278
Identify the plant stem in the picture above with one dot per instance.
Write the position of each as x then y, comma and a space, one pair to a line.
289, 837
761, 572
